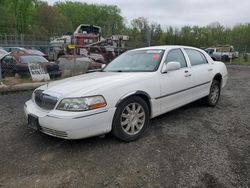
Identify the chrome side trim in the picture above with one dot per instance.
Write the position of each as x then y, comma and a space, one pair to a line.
167, 95
76, 117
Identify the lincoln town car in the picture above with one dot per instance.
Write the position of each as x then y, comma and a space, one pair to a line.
138, 85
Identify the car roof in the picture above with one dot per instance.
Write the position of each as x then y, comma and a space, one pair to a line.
34, 52
165, 47
23, 53
19, 54
3, 51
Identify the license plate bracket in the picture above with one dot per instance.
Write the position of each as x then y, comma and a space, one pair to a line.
33, 122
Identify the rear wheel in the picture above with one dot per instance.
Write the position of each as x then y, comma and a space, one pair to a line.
131, 119
214, 94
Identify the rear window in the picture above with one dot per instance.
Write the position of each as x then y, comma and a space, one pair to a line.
196, 57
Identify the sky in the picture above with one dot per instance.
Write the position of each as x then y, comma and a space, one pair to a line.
178, 13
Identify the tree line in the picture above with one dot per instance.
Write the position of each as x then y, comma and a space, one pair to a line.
36, 17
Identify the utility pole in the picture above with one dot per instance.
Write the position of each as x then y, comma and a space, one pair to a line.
149, 34
74, 71
1, 74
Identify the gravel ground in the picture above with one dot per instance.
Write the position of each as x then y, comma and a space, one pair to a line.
194, 146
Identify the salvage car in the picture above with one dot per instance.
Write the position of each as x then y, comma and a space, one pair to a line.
73, 64
136, 86
16, 63
222, 53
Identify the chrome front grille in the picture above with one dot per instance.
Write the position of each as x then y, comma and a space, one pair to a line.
44, 100
52, 132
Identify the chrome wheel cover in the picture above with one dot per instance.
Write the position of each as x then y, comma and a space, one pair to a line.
132, 118
214, 95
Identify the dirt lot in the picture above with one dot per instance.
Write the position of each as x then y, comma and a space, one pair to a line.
194, 146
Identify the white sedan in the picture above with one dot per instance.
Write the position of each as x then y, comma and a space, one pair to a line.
135, 87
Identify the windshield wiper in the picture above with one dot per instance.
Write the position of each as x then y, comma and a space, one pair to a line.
114, 71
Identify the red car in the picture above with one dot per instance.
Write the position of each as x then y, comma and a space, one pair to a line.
17, 63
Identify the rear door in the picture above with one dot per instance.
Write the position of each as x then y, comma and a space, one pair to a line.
202, 71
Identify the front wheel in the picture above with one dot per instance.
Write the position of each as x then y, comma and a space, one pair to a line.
214, 94
131, 119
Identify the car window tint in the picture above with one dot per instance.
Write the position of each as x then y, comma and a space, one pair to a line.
196, 57
176, 55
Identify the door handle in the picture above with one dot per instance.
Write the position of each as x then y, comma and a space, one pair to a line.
187, 75
210, 69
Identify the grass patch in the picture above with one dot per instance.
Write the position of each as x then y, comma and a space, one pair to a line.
241, 60
13, 80
10, 81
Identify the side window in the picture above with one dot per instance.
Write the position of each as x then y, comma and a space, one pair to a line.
196, 57
8, 60
176, 55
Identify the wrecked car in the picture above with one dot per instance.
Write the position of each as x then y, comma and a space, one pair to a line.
16, 64
73, 65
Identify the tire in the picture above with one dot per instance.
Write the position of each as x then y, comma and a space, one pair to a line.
225, 58
214, 94
3, 74
131, 119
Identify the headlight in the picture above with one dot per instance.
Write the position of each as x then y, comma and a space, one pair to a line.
81, 103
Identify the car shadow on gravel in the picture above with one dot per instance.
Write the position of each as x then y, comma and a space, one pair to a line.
182, 111
210, 181
40, 142
108, 138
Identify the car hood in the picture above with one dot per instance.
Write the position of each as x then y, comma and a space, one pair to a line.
85, 84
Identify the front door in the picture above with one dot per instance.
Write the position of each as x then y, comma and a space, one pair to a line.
176, 86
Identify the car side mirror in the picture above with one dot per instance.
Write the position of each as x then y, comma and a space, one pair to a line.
103, 66
171, 66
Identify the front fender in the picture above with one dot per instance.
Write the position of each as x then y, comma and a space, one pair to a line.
139, 92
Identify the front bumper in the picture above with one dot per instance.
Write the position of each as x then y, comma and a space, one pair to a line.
71, 125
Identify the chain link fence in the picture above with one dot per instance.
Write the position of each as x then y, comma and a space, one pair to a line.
87, 58
96, 55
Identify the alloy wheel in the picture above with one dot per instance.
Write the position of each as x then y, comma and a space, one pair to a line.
215, 92
132, 118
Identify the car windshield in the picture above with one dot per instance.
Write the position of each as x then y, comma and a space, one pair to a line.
136, 61
32, 59
209, 51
